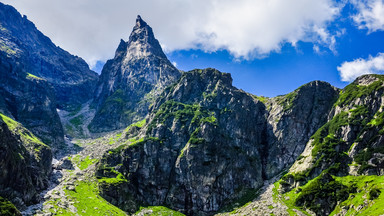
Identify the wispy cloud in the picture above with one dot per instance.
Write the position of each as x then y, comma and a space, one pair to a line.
351, 70
246, 28
370, 14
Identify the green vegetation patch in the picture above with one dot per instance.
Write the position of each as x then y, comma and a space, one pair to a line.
117, 96
33, 77
77, 121
368, 197
88, 201
338, 193
246, 197
288, 199
83, 163
158, 211
323, 192
286, 101
183, 112
353, 91
5, 48
26, 136
111, 176
7, 208
365, 155
262, 99
138, 124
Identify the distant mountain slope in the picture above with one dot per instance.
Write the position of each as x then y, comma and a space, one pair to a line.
37, 77
70, 76
131, 80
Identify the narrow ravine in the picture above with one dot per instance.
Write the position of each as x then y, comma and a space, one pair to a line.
74, 165
71, 172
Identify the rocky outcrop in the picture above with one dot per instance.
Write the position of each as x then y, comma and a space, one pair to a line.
292, 120
72, 80
348, 145
206, 142
131, 81
201, 144
25, 163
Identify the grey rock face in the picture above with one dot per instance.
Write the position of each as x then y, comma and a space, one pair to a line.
353, 135
206, 142
64, 163
130, 82
202, 144
25, 163
72, 80
292, 120
30, 100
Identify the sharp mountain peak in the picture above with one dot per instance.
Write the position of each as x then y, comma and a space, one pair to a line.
140, 23
141, 43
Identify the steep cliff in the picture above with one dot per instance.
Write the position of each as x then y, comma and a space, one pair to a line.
25, 163
206, 143
292, 120
132, 80
72, 80
30, 100
341, 168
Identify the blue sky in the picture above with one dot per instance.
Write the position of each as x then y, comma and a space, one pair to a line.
284, 71
270, 47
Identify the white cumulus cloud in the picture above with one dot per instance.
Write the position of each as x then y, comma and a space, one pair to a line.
351, 70
370, 14
246, 28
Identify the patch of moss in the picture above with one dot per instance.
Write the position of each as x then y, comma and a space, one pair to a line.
353, 91
5, 48
247, 195
210, 96
113, 181
365, 155
287, 101
83, 163
117, 96
324, 187
7, 208
77, 121
287, 199
368, 195
31, 76
138, 124
262, 99
183, 112
26, 136
88, 201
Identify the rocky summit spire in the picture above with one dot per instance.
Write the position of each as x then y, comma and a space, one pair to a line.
132, 80
142, 41
140, 23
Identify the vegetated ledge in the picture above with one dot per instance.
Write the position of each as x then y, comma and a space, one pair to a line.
7, 208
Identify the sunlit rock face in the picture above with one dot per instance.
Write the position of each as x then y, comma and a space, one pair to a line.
131, 81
